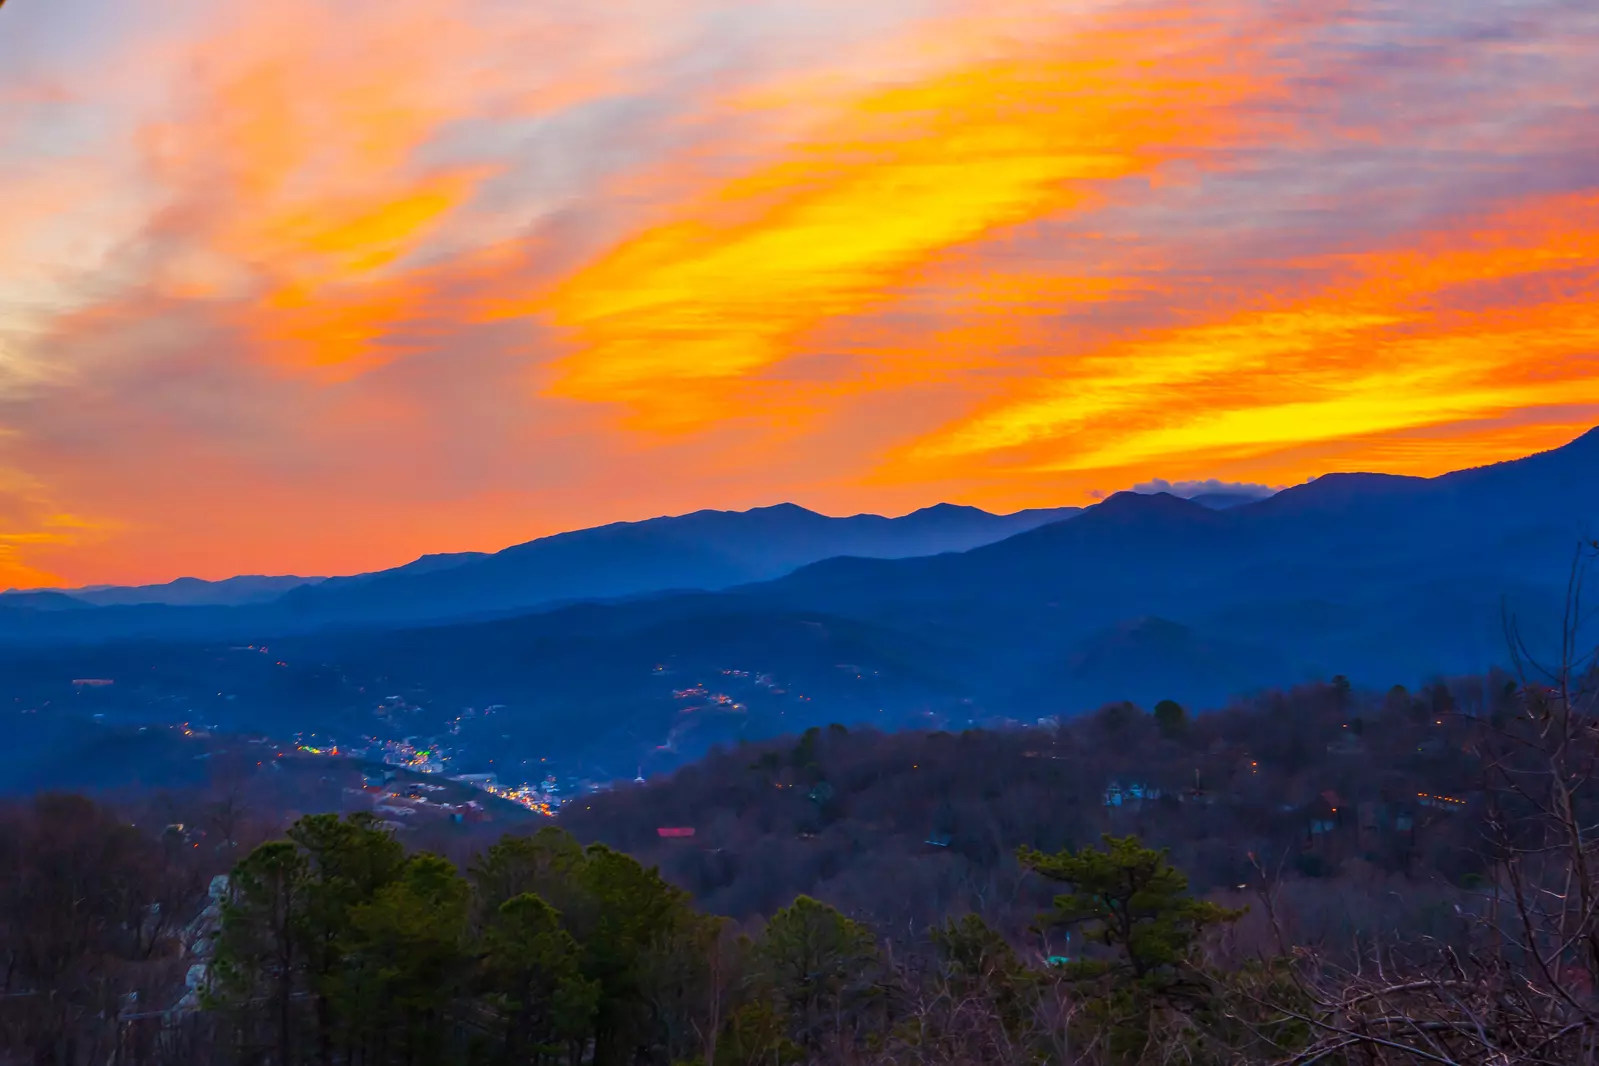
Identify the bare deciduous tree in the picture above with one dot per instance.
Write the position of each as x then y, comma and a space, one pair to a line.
1521, 984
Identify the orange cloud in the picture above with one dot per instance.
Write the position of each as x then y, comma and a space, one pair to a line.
672, 321
321, 285
31, 520
307, 190
1430, 335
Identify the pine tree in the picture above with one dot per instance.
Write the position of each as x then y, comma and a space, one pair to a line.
1132, 901
1171, 718
532, 967
820, 967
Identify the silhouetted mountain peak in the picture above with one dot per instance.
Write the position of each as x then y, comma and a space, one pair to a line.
1146, 506
941, 510
1587, 443
1359, 481
1336, 492
706, 549
786, 510
42, 600
1584, 446
187, 591
434, 560
1577, 459
1124, 525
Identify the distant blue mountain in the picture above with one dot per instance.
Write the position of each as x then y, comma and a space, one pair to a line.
703, 550
43, 600
1390, 578
1221, 501
1383, 579
191, 592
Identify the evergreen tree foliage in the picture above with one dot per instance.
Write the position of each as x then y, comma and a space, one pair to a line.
821, 969
532, 970
1171, 718
1130, 900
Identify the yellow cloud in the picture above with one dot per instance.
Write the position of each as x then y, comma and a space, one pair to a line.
369, 237
670, 320
1420, 338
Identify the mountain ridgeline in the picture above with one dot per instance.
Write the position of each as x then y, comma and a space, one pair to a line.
1380, 578
703, 550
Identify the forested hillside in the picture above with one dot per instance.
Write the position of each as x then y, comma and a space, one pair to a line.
1329, 786
1320, 875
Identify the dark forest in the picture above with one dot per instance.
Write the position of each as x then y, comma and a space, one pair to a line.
1315, 875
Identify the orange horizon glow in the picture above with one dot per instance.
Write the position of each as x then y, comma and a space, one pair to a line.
317, 288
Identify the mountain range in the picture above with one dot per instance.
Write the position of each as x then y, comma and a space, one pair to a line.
704, 550
586, 640
1386, 577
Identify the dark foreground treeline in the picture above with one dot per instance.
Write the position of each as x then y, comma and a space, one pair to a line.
1420, 874
336, 946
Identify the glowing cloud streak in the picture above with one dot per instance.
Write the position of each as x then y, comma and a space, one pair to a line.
734, 284
320, 286
1421, 337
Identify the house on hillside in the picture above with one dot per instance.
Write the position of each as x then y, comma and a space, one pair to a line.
1324, 816
1131, 795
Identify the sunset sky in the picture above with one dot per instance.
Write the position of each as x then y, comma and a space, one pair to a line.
317, 286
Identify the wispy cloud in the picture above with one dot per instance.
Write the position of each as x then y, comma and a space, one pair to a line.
736, 282
1470, 322
318, 286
